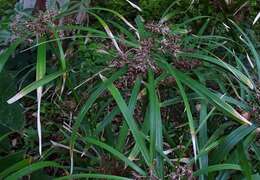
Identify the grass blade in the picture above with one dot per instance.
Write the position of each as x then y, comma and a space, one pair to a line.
5, 54
92, 176
131, 105
189, 115
156, 139
40, 73
93, 97
203, 128
108, 31
244, 162
203, 91
130, 121
62, 59
31, 87
250, 45
115, 153
230, 142
239, 75
121, 17
107, 119
15, 167
217, 167
62, 54
29, 169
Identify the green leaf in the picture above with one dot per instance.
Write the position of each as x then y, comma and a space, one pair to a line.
156, 139
17, 166
125, 31
115, 153
217, 167
5, 54
108, 31
244, 161
40, 73
107, 119
62, 54
41, 60
130, 121
189, 115
4, 136
203, 128
141, 28
230, 142
256, 176
92, 176
10, 160
132, 102
118, 15
29, 169
204, 92
250, 45
93, 97
145, 132
239, 75
31, 87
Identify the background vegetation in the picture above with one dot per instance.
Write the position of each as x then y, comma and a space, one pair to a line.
129, 89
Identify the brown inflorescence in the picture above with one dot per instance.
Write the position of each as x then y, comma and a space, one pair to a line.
39, 26
141, 60
187, 64
158, 28
137, 66
182, 172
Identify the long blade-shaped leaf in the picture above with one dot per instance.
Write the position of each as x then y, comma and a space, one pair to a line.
15, 167
92, 176
121, 17
130, 121
239, 75
29, 169
108, 31
62, 59
40, 73
246, 40
230, 141
31, 87
5, 54
131, 105
189, 114
115, 153
156, 139
93, 97
202, 129
203, 91
62, 54
217, 167
244, 161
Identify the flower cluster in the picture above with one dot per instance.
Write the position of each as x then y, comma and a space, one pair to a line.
36, 26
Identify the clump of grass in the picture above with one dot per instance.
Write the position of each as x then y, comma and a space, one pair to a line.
156, 101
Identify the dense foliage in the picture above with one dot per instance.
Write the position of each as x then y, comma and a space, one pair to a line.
129, 89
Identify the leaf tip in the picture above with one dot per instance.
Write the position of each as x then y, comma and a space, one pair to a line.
15, 98
243, 119
103, 78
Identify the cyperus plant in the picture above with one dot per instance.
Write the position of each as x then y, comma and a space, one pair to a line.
130, 99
